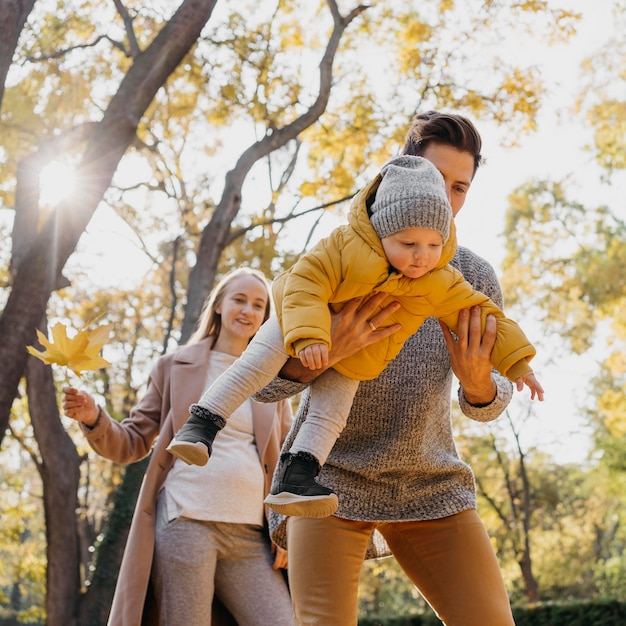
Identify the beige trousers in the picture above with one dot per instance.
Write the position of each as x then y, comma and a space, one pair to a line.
193, 560
450, 561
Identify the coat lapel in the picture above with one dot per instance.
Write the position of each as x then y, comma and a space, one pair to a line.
187, 379
262, 421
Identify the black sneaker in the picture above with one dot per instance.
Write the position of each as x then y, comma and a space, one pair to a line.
193, 443
297, 492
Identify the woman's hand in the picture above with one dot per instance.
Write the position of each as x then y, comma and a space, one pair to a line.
470, 355
280, 558
80, 406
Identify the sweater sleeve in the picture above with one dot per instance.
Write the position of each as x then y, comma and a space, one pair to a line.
488, 412
279, 389
131, 439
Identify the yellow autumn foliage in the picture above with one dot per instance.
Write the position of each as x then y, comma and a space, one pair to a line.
79, 353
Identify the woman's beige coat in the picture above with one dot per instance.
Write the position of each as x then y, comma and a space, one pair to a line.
176, 381
351, 262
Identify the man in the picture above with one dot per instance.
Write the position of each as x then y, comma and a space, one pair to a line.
395, 467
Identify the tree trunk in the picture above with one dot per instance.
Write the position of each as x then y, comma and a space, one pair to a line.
531, 587
530, 582
96, 604
13, 16
41, 267
60, 473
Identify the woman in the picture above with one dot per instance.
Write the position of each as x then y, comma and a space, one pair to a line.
395, 464
198, 532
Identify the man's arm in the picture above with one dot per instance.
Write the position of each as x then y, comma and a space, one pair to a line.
471, 357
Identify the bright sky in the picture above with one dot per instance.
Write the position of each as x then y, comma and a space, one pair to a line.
555, 151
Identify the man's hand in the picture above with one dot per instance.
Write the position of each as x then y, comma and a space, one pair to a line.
470, 355
355, 327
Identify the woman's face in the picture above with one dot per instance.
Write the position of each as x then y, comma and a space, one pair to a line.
457, 169
243, 307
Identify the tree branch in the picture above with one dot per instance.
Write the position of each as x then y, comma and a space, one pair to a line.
240, 232
65, 51
128, 26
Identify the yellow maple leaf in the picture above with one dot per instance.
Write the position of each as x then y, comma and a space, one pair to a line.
78, 353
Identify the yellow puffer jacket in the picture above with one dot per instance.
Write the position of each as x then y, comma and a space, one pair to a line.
351, 262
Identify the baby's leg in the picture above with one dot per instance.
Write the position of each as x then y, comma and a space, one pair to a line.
296, 491
330, 403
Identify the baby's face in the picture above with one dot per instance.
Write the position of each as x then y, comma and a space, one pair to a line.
413, 252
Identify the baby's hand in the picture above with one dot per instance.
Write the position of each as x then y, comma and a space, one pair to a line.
532, 383
314, 356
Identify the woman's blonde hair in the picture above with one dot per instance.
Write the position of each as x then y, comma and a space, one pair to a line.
210, 321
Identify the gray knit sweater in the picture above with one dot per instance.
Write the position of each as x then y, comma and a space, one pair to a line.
396, 459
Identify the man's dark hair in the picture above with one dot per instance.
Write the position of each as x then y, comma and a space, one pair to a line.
443, 128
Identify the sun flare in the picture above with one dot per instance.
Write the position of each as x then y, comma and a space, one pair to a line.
57, 183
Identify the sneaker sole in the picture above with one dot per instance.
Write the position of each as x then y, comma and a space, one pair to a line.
303, 506
191, 453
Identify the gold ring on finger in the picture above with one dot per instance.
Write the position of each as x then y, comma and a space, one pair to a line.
371, 325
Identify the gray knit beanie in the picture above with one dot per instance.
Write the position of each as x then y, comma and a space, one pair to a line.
411, 194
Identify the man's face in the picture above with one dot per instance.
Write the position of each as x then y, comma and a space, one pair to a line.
457, 169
